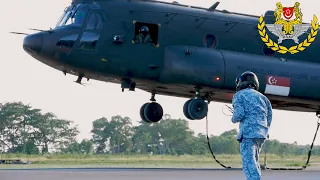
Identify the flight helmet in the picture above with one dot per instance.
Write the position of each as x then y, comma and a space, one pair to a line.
247, 79
144, 30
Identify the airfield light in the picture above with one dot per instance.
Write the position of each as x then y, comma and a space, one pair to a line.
217, 78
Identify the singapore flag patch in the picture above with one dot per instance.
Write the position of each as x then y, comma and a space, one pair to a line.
276, 85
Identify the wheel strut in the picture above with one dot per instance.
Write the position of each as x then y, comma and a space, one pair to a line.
152, 97
197, 92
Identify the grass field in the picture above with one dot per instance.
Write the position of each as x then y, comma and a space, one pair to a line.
69, 160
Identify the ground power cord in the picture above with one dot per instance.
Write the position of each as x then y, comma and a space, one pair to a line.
264, 167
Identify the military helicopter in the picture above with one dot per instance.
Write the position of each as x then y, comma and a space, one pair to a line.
176, 50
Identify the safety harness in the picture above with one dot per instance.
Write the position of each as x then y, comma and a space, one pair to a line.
264, 167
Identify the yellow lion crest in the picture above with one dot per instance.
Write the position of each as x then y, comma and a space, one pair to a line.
284, 29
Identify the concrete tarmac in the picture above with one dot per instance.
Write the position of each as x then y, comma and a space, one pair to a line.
148, 174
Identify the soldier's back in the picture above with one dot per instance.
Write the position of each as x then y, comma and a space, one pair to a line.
255, 122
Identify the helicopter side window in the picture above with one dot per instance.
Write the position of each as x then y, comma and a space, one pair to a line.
67, 41
146, 33
64, 18
210, 41
89, 40
95, 21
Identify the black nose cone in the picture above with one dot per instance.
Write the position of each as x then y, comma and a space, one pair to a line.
33, 43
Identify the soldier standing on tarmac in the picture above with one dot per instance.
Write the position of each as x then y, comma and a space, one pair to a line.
253, 111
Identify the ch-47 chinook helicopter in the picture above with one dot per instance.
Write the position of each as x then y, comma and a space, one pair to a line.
193, 53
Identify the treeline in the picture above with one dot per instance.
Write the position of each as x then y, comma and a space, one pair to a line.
24, 129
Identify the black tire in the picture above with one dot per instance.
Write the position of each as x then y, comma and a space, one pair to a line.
142, 113
197, 109
153, 112
185, 110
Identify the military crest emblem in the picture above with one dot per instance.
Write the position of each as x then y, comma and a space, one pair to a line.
288, 26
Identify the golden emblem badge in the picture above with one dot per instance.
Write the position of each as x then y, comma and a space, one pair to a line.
285, 29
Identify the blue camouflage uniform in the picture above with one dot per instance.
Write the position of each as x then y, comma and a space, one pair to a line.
254, 112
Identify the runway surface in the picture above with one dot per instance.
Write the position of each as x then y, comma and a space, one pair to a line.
148, 174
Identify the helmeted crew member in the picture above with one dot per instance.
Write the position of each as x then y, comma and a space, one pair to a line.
253, 111
144, 36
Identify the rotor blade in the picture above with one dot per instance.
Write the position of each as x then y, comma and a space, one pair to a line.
214, 6
18, 33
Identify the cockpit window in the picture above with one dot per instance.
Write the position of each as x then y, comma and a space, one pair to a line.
100, 21
72, 16
65, 15
95, 21
92, 21
78, 18
64, 18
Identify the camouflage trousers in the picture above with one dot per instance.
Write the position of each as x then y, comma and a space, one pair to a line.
250, 150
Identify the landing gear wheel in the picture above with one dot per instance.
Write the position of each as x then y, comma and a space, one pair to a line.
197, 109
142, 113
152, 112
185, 109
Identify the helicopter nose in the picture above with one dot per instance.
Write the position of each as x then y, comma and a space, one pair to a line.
33, 43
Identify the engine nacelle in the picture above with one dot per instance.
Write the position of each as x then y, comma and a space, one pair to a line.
193, 65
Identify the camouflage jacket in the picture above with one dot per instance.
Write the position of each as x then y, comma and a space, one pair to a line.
254, 112
145, 40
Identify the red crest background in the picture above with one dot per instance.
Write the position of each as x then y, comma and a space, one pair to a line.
288, 12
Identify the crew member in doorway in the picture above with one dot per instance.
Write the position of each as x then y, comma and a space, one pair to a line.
144, 36
253, 111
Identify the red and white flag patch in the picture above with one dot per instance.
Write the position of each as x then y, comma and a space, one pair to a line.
277, 85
